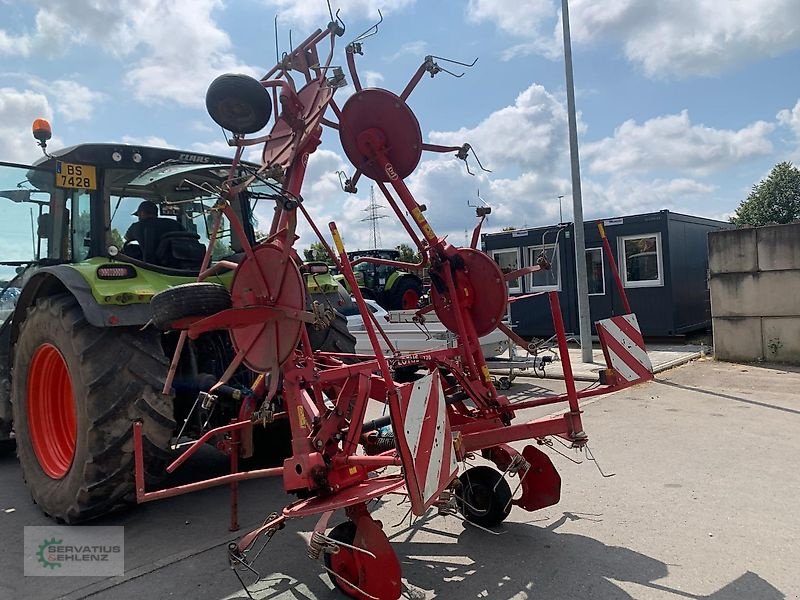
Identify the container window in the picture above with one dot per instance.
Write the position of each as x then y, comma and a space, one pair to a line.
508, 261
642, 263
545, 280
595, 273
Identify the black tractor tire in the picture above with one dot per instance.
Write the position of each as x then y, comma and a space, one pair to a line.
335, 338
395, 297
7, 447
238, 103
188, 300
116, 376
484, 497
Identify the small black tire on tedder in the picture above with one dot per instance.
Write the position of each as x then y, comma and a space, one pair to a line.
484, 497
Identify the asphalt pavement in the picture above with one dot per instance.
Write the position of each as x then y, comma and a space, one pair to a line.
702, 504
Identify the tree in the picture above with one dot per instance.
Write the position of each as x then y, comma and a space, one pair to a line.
317, 253
775, 199
408, 254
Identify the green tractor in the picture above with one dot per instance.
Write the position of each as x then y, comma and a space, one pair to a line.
390, 287
79, 357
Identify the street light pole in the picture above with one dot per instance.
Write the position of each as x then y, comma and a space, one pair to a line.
577, 200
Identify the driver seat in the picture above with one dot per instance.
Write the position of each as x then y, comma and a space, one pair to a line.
180, 250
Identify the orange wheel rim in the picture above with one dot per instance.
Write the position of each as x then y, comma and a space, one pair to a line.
409, 300
51, 411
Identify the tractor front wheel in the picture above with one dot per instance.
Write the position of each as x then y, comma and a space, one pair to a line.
77, 390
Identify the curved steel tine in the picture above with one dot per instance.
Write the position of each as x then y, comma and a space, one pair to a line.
369, 32
455, 62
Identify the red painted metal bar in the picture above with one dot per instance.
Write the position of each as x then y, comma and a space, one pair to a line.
563, 351
369, 462
401, 217
311, 40
199, 443
470, 442
351, 66
415, 79
477, 232
614, 270
234, 446
514, 337
440, 148
385, 337
144, 496
362, 306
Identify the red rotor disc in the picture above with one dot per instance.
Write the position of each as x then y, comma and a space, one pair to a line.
483, 291
274, 341
381, 110
283, 137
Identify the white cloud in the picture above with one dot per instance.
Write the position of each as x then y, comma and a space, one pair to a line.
315, 12
791, 118
71, 100
372, 78
416, 48
674, 142
177, 45
531, 134
18, 109
668, 38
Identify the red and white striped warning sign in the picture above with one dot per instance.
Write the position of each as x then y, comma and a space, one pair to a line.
425, 442
624, 349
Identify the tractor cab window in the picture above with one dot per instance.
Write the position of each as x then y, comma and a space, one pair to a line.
146, 228
80, 225
27, 228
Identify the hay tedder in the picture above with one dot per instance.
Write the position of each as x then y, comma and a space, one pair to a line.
419, 433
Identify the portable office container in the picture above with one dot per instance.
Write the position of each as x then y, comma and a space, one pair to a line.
662, 258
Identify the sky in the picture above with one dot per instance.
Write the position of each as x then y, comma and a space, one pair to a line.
682, 104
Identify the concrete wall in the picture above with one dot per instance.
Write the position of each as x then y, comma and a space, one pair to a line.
755, 293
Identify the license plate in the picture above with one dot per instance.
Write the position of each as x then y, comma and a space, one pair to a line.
80, 177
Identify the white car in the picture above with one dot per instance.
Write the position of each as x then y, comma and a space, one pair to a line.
408, 336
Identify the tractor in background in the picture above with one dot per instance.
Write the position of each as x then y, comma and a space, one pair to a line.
392, 288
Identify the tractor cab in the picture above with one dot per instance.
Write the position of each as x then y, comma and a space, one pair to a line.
81, 207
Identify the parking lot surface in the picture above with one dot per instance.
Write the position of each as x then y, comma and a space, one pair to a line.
703, 504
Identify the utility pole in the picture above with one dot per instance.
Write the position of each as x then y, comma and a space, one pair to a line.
577, 200
373, 215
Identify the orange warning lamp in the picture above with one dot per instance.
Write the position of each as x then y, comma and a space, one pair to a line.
42, 131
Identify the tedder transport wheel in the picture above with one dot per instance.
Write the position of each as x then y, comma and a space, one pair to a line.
485, 497
405, 294
188, 300
238, 103
77, 390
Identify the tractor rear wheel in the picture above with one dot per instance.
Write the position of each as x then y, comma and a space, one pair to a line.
77, 390
405, 293
334, 338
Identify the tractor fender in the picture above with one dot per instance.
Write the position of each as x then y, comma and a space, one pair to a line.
396, 276
57, 279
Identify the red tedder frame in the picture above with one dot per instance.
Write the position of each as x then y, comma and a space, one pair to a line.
445, 417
